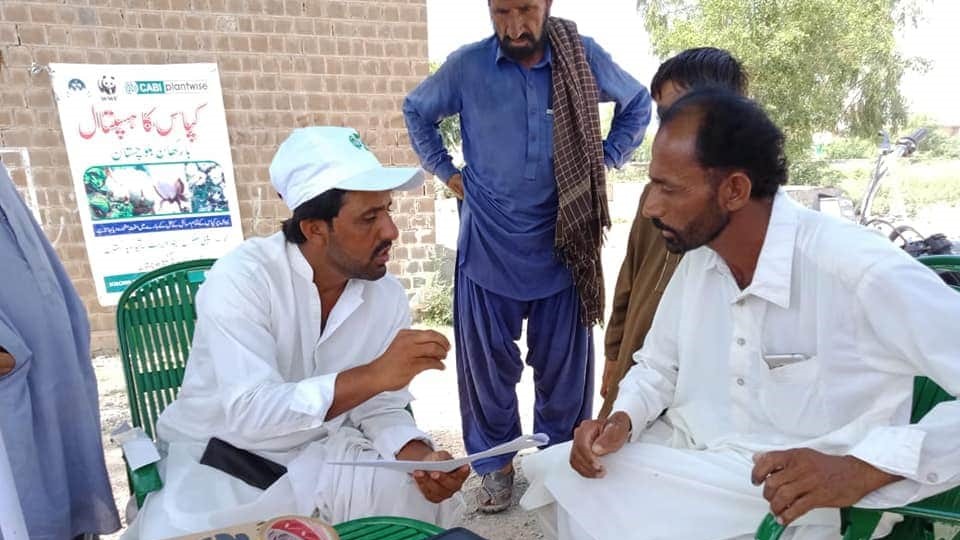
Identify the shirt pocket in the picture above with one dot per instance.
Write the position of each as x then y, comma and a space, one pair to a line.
792, 398
546, 142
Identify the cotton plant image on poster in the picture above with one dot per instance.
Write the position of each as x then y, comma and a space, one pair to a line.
143, 190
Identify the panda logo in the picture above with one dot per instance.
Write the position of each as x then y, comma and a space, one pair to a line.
108, 87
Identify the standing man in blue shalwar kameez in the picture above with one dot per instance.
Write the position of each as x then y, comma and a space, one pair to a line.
49, 417
531, 218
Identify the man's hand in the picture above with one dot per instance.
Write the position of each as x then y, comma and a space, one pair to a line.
439, 486
797, 481
595, 438
455, 184
411, 352
7, 363
609, 372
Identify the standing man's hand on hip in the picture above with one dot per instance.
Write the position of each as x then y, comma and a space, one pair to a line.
7, 362
455, 184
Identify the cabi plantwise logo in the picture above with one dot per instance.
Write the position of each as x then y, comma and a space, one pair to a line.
166, 87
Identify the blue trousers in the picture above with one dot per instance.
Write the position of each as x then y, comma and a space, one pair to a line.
559, 349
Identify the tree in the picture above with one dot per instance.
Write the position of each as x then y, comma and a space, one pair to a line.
816, 65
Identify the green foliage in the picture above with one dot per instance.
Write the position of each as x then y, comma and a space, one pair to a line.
811, 172
105, 204
919, 183
814, 64
95, 180
937, 144
635, 171
436, 300
850, 148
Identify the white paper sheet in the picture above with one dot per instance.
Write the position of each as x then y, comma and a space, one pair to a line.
137, 447
520, 443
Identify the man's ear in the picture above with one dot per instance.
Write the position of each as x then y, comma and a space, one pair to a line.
316, 230
735, 191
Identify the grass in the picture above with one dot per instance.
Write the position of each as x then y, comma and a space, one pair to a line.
912, 185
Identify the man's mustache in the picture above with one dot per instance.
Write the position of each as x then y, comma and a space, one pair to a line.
663, 226
385, 245
525, 36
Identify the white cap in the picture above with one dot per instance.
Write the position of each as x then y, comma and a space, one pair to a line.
314, 160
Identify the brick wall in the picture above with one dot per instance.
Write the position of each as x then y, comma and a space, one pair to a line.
283, 64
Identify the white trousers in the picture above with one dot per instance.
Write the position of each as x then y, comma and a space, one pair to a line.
653, 492
197, 498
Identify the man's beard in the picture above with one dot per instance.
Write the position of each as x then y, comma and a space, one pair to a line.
528, 47
354, 269
700, 232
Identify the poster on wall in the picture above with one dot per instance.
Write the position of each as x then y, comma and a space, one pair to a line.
150, 160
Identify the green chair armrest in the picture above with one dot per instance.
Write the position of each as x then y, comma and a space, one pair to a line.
769, 529
143, 481
386, 528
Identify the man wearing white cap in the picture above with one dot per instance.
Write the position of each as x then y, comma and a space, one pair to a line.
302, 356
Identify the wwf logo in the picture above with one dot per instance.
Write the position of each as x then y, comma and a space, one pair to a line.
108, 87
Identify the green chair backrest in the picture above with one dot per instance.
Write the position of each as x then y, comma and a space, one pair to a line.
155, 321
946, 266
386, 528
926, 393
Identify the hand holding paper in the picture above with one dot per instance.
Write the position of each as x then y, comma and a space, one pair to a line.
520, 443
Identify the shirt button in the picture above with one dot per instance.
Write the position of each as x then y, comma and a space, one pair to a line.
741, 342
933, 478
740, 302
740, 381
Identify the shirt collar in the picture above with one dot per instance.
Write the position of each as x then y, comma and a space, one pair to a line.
545, 61
773, 275
350, 300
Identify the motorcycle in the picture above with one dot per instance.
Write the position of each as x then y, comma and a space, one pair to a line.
906, 236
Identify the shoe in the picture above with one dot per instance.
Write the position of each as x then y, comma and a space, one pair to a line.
496, 492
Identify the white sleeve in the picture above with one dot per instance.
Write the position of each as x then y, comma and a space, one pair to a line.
649, 386
912, 314
383, 418
233, 326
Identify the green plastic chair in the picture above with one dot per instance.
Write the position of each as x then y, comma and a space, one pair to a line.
386, 528
919, 517
946, 266
155, 321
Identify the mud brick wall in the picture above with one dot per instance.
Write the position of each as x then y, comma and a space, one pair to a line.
282, 64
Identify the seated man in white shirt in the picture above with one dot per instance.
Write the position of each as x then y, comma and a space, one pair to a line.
783, 351
302, 355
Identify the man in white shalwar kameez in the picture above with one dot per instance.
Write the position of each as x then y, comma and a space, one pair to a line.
783, 352
302, 355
